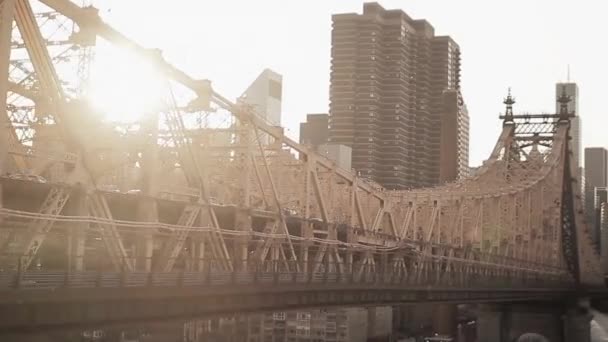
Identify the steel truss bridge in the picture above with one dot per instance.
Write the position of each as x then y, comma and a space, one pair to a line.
202, 207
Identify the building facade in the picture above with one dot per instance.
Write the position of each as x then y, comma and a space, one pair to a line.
596, 176
600, 196
331, 325
391, 81
604, 234
265, 96
315, 130
454, 153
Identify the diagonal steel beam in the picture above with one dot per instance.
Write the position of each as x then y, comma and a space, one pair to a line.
176, 242
7, 8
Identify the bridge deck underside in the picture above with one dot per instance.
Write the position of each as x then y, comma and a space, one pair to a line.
27, 310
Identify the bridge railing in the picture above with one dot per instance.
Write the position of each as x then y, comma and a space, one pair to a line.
428, 276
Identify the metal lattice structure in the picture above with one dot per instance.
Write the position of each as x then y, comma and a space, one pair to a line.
215, 196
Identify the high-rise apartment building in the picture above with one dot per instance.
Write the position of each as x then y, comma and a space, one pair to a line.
596, 176
395, 93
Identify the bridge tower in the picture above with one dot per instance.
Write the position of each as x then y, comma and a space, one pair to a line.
562, 321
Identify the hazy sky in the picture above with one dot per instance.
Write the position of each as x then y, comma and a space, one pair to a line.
524, 44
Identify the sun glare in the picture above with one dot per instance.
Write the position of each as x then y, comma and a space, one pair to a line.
125, 87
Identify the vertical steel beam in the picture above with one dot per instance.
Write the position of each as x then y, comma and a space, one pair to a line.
77, 231
147, 210
7, 8
277, 201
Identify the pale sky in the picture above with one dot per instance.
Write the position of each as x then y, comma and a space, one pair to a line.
523, 44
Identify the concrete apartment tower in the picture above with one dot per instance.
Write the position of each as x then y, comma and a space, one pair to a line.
395, 98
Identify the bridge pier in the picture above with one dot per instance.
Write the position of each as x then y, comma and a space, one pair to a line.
444, 319
379, 323
556, 322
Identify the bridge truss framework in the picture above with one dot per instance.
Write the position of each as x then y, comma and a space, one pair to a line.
234, 194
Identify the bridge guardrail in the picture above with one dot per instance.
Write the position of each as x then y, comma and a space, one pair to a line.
48, 280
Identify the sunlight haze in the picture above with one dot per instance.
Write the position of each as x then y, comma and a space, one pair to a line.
525, 45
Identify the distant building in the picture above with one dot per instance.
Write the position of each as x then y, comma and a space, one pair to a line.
341, 154
388, 99
454, 156
582, 180
600, 197
315, 132
604, 234
596, 176
331, 325
264, 95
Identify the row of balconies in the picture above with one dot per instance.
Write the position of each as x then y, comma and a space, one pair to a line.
385, 61
371, 75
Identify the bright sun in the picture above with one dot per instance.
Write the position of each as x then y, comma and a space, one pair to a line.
124, 87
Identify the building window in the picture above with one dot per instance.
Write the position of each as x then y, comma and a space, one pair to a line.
275, 89
303, 316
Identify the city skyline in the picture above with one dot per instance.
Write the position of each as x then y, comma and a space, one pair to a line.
297, 45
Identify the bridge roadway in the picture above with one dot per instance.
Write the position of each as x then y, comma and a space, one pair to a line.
34, 301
